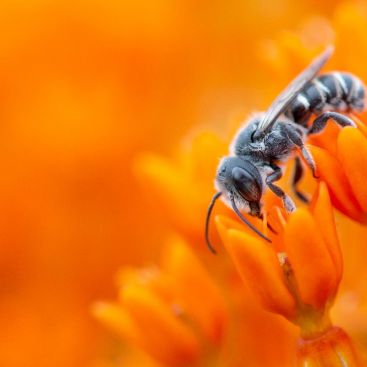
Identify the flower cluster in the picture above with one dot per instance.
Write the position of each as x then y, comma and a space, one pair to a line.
175, 312
300, 279
197, 313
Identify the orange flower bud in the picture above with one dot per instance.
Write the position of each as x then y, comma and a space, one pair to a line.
352, 153
161, 309
345, 171
259, 268
162, 333
310, 259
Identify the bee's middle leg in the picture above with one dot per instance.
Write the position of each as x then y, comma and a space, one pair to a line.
296, 138
297, 176
275, 176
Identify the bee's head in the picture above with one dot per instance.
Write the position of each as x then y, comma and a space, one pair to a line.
240, 179
239, 182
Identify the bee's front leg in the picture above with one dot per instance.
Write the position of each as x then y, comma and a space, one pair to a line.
296, 138
275, 176
297, 176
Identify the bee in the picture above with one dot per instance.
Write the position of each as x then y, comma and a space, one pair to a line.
269, 139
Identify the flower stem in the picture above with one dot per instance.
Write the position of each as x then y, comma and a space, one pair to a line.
331, 349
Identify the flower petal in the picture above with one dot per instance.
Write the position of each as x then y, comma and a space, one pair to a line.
352, 152
259, 268
191, 283
361, 126
202, 160
331, 172
169, 186
117, 319
150, 277
310, 259
164, 336
324, 217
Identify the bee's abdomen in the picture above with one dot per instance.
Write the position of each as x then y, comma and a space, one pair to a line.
343, 91
333, 91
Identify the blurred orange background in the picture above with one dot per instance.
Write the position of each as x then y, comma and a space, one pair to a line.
84, 87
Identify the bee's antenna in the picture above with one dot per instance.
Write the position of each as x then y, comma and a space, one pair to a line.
244, 220
210, 208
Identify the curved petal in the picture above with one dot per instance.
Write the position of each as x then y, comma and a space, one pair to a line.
172, 189
310, 259
163, 335
116, 318
259, 268
332, 173
352, 152
324, 217
190, 283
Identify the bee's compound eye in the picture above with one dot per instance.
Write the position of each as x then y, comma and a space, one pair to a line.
246, 184
240, 175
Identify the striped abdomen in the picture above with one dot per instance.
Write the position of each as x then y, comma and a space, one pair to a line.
335, 91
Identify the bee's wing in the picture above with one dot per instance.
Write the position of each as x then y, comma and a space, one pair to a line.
284, 99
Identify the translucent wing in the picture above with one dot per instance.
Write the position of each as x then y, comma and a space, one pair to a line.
281, 103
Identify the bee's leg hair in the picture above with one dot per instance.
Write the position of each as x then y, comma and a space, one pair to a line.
275, 176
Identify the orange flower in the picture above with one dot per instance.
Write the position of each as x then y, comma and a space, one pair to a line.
88, 85
85, 86
162, 310
301, 280
179, 316
182, 185
297, 276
